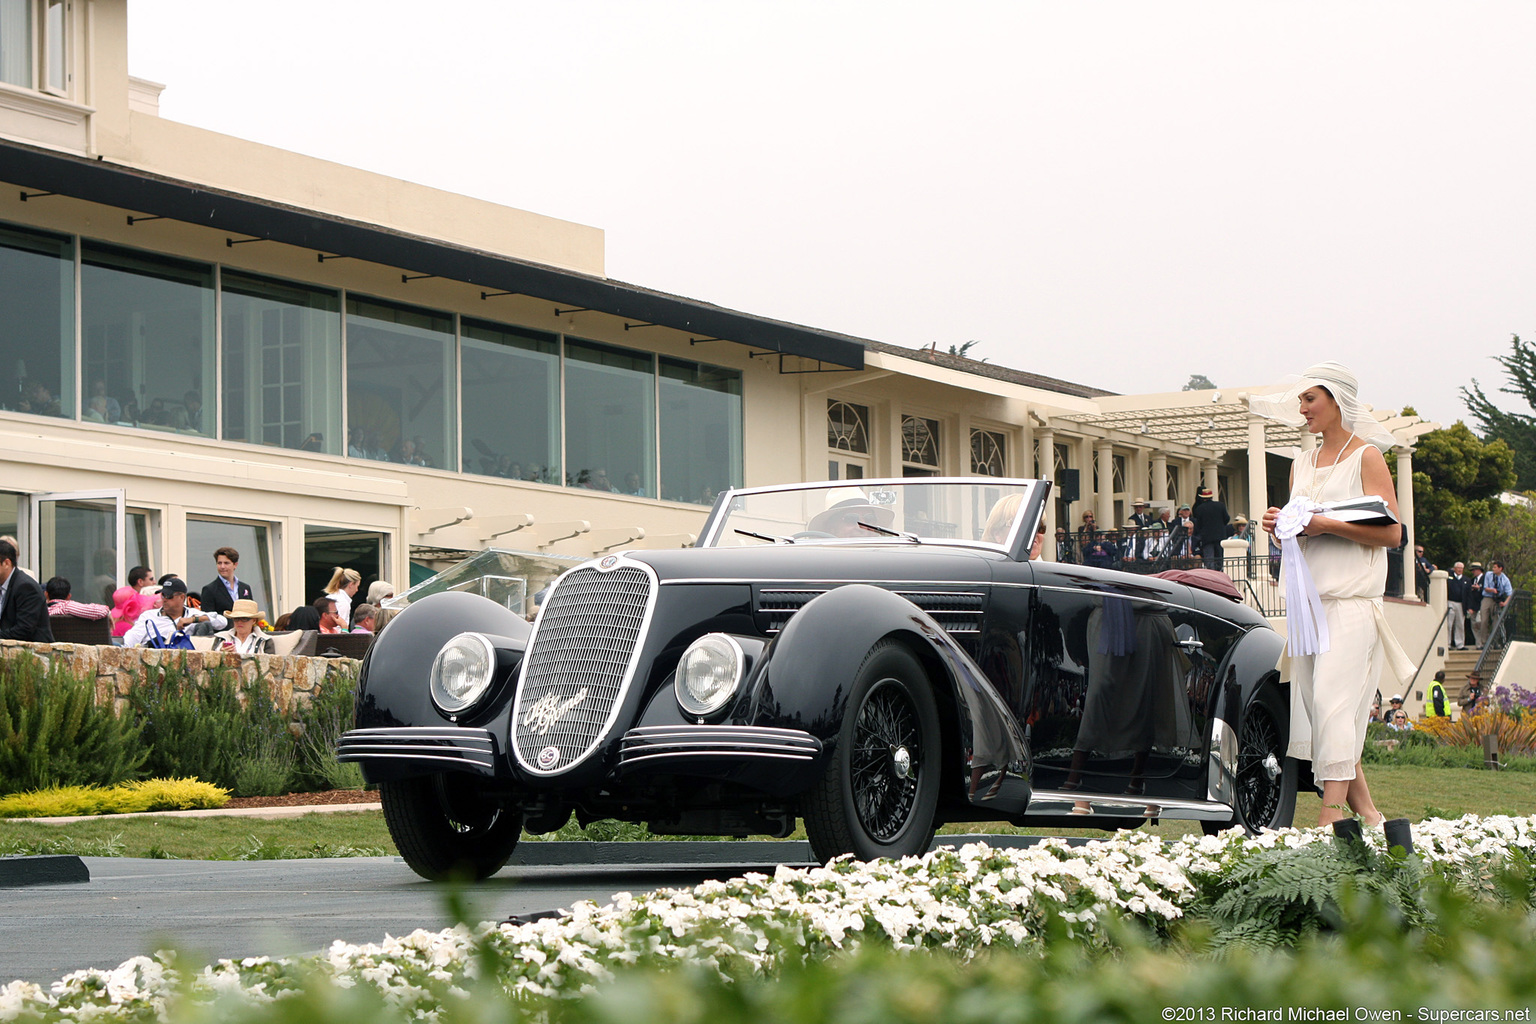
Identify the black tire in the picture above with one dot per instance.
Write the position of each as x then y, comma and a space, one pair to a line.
445, 828
872, 800
1264, 799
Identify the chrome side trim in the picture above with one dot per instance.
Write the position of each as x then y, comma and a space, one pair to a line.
1120, 805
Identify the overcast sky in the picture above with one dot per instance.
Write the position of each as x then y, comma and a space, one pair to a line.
1119, 194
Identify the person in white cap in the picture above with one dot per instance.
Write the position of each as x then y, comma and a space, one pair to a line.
1335, 574
846, 508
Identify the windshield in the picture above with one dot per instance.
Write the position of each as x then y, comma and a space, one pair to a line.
973, 510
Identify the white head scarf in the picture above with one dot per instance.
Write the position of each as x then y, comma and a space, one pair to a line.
1283, 405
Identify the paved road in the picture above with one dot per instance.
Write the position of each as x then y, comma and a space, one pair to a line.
236, 909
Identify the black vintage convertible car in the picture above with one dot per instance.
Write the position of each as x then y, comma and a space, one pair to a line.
874, 658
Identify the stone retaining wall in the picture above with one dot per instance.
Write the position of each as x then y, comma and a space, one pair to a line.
293, 679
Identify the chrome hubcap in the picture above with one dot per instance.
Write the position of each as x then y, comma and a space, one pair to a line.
901, 762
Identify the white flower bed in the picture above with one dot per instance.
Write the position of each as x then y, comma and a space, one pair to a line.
961, 899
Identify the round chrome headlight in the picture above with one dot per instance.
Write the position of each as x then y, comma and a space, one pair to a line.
462, 671
708, 674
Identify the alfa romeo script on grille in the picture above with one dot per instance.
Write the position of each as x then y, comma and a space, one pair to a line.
548, 710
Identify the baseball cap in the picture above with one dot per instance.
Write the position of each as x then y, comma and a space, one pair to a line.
173, 586
1394, 697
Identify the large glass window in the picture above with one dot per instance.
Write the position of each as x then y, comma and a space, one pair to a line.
511, 395
610, 419
700, 431
989, 452
919, 446
282, 364
148, 324
205, 536
16, 42
400, 405
37, 323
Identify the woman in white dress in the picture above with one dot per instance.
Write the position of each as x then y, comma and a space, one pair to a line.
1338, 659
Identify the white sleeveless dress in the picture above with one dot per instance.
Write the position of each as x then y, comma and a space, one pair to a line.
1331, 692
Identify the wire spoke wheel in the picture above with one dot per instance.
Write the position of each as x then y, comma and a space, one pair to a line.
1260, 758
1263, 779
886, 754
879, 790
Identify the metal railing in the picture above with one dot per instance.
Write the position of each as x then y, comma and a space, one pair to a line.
1513, 623
1147, 551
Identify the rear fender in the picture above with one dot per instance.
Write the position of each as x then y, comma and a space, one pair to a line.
812, 664
1250, 667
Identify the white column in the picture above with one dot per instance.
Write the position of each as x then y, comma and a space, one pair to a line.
1105, 508
1138, 483
1088, 495
1308, 440
1024, 464
1045, 469
1405, 512
1208, 477
1234, 555
1258, 487
1159, 478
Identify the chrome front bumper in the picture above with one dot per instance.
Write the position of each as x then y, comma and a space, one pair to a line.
439, 748
687, 748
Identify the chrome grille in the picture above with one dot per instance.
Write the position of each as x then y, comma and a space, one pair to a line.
587, 639
958, 612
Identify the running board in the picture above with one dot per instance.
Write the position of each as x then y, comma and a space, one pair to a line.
1054, 803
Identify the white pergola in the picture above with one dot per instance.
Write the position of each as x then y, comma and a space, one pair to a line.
1215, 422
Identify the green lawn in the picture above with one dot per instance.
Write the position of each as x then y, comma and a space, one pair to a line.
1400, 791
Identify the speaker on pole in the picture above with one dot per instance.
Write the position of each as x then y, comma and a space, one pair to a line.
1068, 485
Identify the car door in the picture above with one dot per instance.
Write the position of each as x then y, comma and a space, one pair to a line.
1104, 695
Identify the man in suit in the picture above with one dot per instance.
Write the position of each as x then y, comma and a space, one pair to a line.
220, 595
23, 608
1455, 605
1210, 519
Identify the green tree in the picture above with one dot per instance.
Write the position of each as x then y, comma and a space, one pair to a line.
1457, 479
1198, 382
1516, 429
961, 350
1509, 535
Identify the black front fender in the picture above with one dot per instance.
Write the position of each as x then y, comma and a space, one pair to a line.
811, 668
393, 685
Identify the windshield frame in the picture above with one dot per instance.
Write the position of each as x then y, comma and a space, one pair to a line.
1016, 547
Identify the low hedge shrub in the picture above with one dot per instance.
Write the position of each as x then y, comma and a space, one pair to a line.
124, 798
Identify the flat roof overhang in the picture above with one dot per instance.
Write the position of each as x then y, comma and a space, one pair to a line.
142, 192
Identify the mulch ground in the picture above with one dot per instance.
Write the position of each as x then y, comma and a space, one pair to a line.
330, 796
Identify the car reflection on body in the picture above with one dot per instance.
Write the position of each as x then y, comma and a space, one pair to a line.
873, 658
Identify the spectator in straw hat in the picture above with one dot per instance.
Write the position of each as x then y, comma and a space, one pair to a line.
1241, 531
1142, 515
244, 635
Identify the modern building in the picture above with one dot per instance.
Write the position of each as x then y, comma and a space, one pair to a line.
207, 341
